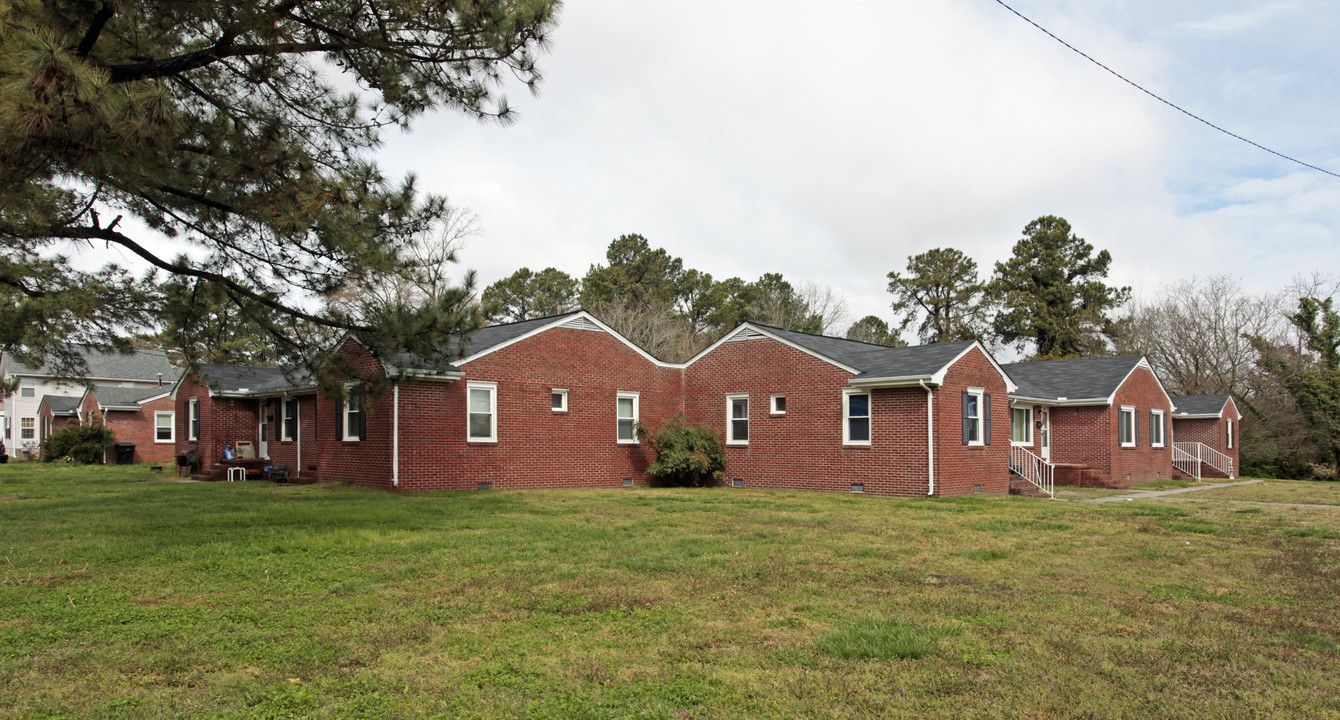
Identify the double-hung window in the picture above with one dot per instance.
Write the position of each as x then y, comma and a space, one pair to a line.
1156, 428
1021, 426
737, 419
164, 427
193, 419
482, 418
855, 417
28, 428
1228, 428
1126, 427
975, 416
353, 419
626, 417
288, 428
27, 387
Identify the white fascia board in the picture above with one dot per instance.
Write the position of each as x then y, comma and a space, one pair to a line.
1198, 416
939, 377
1143, 363
893, 382
1236, 412
563, 320
1056, 402
159, 396
764, 331
119, 408
445, 376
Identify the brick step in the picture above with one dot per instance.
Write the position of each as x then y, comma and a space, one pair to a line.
1020, 486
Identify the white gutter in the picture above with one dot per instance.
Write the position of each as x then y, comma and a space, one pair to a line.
395, 435
930, 439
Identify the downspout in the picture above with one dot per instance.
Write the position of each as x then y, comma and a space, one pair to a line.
297, 431
395, 435
930, 438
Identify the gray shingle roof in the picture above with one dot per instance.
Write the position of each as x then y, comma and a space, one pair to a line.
479, 341
876, 361
238, 378
1200, 404
1081, 379
62, 404
113, 396
140, 364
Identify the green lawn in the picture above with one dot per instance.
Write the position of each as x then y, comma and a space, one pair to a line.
124, 597
1307, 492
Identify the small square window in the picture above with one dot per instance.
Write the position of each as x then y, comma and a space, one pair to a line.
558, 400
778, 404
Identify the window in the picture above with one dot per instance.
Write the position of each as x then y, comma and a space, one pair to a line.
483, 412
778, 404
27, 428
737, 419
976, 417
193, 419
855, 417
627, 417
1156, 428
1021, 426
558, 400
1229, 430
163, 427
28, 387
288, 428
353, 419
1126, 427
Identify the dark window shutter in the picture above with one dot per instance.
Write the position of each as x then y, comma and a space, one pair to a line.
1152, 420
278, 421
1135, 422
339, 419
966, 421
986, 418
362, 418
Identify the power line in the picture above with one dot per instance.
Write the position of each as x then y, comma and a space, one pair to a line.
1169, 103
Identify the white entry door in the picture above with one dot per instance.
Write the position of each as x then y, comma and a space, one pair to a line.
263, 447
1045, 433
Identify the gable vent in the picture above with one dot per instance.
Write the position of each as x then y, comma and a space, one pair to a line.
581, 323
745, 334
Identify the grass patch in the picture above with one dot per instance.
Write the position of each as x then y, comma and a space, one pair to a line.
1302, 492
1164, 484
1198, 528
880, 639
123, 596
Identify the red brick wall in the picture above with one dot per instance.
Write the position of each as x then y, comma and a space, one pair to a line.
1212, 432
958, 467
1141, 463
536, 447
138, 428
362, 462
222, 421
302, 447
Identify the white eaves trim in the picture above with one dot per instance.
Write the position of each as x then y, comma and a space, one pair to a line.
558, 322
1208, 416
764, 332
1059, 402
159, 396
938, 377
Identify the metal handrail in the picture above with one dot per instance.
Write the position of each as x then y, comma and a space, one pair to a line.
1205, 454
1185, 461
1034, 469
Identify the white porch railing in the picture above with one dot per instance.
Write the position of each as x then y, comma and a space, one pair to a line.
1202, 453
1034, 469
1186, 462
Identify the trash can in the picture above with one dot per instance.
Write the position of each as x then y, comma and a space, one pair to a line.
125, 453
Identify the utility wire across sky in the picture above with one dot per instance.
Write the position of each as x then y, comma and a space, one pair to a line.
1169, 103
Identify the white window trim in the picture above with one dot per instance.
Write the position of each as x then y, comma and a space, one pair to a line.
1029, 441
27, 385
637, 415
347, 435
284, 418
32, 428
1122, 414
772, 403
563, 407
846, 416
172, 426
192, 419
492, 388
1229, 439
1163, 429
730, 419
980, 420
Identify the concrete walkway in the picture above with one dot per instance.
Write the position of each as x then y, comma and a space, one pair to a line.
1146, 494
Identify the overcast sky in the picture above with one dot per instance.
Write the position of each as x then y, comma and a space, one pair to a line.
750, 138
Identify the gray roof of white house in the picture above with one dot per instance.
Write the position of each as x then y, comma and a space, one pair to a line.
114, 396
876, 361
1200, 404
143, 364
1080, 379
62, 404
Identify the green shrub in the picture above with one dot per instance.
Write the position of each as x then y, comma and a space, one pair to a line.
83, 444
686, 455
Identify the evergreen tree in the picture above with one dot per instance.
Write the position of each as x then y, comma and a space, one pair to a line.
942, 289
1312, 378
873, 330
525, 295
219, 124
1052, 293
636, 275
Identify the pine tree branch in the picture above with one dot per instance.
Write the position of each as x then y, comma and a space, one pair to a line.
100, 19
221, 50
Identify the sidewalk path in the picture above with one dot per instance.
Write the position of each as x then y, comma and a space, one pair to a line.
1146, 494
